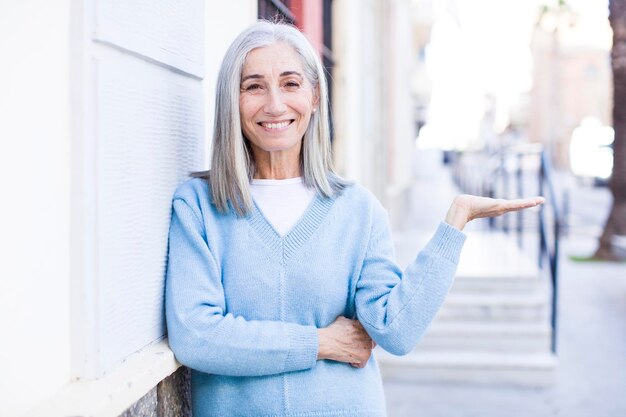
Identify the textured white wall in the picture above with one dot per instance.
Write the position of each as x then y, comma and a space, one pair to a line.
149, 137
170, 32
35, 209
140, 100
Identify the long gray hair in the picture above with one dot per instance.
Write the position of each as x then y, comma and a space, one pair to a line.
232, 165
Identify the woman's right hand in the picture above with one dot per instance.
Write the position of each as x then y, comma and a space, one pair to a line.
346, 341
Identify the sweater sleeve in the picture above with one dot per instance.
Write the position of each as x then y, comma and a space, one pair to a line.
397, 307
201, 335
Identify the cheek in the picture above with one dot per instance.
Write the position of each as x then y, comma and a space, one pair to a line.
305, 108
305, 121
247, 110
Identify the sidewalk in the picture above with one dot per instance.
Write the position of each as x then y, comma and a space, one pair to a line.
590, 379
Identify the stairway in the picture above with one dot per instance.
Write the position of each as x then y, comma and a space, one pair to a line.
494, 326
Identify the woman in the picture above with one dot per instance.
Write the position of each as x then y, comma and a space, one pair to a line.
281, 275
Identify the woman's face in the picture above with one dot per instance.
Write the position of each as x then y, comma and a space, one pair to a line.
276, 99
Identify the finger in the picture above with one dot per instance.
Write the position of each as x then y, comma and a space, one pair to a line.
519, 204
531, 202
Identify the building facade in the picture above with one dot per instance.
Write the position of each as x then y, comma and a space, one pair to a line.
569, 49
372, 102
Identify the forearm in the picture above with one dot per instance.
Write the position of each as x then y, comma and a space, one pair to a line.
228, 345
397, 310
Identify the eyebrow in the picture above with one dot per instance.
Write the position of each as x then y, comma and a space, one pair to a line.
259, 76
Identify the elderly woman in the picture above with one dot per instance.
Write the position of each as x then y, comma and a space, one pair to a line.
281, 276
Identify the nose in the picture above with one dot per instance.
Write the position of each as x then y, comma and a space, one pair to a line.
274, 104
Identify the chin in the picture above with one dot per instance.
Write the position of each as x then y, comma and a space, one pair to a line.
278, 147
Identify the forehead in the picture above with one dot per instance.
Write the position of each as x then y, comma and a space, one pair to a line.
275, 58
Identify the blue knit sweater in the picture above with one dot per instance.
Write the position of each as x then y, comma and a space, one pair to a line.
243, 304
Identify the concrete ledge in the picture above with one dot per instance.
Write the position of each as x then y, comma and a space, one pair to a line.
110, 395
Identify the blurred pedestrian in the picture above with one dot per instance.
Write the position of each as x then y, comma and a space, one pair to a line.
281, 275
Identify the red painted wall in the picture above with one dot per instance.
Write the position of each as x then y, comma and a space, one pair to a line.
309, 19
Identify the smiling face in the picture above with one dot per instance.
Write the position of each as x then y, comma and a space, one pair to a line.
276, 100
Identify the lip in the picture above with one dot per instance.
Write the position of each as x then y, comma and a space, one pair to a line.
276, 125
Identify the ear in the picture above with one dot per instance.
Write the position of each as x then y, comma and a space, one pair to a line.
316, 98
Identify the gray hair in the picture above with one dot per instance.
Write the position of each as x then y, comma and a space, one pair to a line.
232, 165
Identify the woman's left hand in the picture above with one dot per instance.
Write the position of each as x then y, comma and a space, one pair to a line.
467, 207
345, 340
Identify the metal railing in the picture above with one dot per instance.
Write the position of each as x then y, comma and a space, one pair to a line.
550, 249
508, 174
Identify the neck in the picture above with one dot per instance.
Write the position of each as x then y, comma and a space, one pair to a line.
277, 165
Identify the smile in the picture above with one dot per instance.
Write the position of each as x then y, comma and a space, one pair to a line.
276, 125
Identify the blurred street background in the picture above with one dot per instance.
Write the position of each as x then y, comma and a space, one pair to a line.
589, 376
106, 106
496, 90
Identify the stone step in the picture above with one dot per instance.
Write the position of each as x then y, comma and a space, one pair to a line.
477, 367
532, 307
488, 336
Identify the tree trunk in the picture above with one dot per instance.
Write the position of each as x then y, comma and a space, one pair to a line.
616, 222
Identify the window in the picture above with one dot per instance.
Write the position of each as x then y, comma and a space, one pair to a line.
276, 10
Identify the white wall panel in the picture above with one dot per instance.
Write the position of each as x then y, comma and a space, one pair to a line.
149, 137
168, 31
35, 210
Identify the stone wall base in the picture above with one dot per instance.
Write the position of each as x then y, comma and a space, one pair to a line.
170, 398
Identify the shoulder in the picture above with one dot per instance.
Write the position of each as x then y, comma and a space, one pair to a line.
193, 191
360, 201
196, 194
359, 195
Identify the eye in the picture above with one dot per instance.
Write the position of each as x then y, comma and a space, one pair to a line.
292, 85
253, 87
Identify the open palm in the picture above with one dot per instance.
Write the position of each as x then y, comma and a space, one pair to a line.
466, 207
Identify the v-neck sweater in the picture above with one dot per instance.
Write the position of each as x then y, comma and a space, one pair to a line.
243, 304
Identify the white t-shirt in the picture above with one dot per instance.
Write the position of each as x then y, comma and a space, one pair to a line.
282, 202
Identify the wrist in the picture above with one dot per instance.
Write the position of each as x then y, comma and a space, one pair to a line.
457, 216
322, 348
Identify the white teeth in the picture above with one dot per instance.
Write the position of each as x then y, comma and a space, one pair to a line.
276, 125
